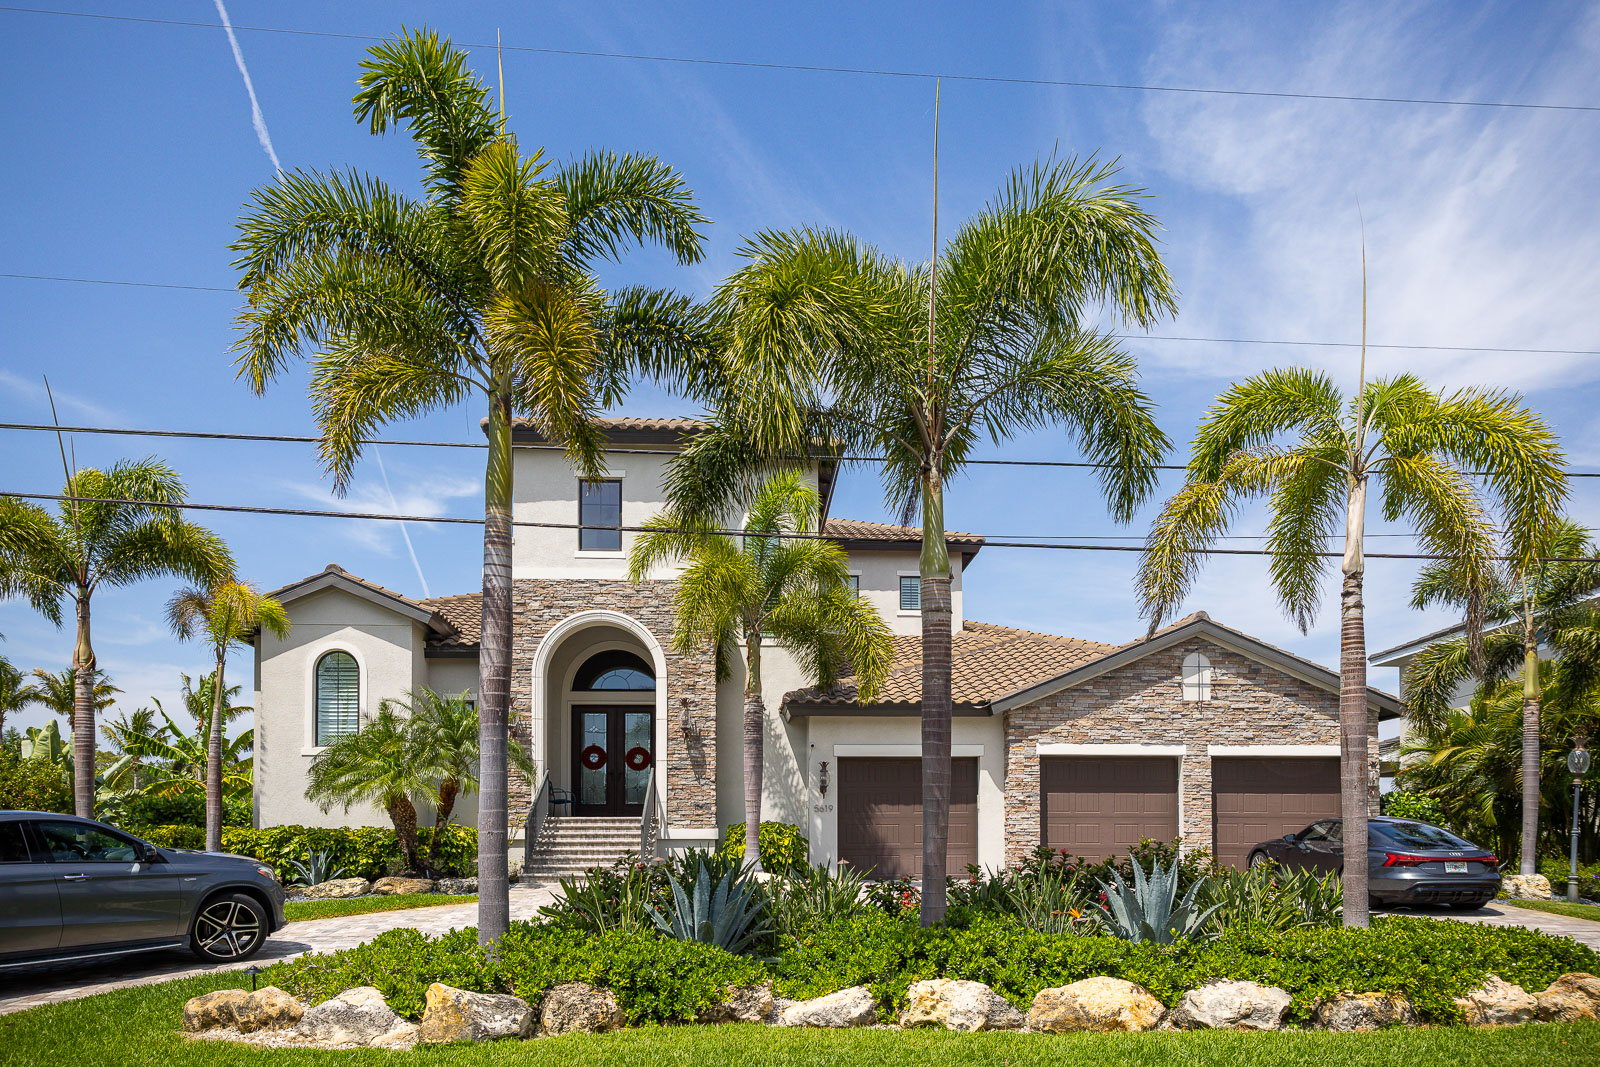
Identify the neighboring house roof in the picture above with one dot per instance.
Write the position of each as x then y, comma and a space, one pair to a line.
1415, 645
334, 576
622, 427
995, 668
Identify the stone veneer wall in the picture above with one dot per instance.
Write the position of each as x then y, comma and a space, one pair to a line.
1142, 703
538, 604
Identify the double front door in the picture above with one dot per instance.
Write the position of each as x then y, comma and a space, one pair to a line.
613, 750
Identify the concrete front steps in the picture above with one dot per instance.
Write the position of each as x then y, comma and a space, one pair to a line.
572, 844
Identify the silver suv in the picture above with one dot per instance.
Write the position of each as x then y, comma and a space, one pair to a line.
74, 888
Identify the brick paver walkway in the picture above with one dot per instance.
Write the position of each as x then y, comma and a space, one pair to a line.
29, 987
1496, 913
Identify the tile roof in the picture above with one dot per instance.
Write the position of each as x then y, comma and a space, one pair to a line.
986, 661
627, 423
464, 611
860, 530
447, 632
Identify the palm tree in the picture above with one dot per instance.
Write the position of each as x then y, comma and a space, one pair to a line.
225, 614
186, 757
120, 529
485, 285
759, 587
15, 694
830, 343
1424, 448
1553, 603
122, 731
58, 691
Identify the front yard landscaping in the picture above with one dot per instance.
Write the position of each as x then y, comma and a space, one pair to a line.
301, 910
146, 1032
1557, 907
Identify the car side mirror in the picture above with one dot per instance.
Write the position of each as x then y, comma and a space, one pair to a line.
1289, 838
150, 854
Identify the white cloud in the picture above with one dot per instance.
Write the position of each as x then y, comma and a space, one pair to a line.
34, 393
414, 494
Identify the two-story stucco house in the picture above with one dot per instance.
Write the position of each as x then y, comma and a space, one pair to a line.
1199, 730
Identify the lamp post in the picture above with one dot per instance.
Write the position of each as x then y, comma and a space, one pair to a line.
1578, 764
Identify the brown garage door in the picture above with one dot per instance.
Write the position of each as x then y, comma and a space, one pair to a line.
880, 815
1256, 799
1099, 806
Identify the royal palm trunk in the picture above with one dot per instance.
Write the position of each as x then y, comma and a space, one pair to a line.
755, 715
935, 566
1528, 860
83, 671
494, 678
1354, 719
214, 757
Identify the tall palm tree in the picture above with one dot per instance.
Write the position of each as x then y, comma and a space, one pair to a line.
92, 543
1553, 605
184, 757
1292, 437
757, 588
224, 614
828, 340
484, 285
58, 691
15, 693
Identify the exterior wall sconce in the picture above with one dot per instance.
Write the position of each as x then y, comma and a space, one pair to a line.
822, 778
684, 723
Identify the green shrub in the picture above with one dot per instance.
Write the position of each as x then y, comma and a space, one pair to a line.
812, 897
174, 836
144, 810
782, 846
1405, 804
402, 963
618, 897
1270, 897
363, 851
32, 784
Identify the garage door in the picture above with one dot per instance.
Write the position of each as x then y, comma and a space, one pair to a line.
880, 815
1257, 799
1099, 806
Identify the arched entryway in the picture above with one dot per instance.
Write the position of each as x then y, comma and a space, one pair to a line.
612, 698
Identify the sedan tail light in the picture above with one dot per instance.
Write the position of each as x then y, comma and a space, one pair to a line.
1401, 859
1491, 861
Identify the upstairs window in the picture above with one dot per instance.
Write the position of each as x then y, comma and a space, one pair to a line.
852, 582
338, 697
600, 505
910, 592
1196, 677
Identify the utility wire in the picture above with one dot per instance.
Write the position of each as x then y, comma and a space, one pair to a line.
821, 69
783, 536
1120, 336
293, 439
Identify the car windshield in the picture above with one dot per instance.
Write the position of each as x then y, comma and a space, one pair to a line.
1417, 835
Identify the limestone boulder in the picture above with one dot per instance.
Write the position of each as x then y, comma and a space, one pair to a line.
213, 1011
1100, 1005
453, 1014
580, 1008
1526, 886
1498, 1003
268, 1008
1570, 998
1353, 1012
401, 1038
395, 886
357, 1016
1223, 1004
848, 1007
456, 887
958, 1005
337, 889
743, 1004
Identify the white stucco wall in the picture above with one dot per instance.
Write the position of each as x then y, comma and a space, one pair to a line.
831, 737
387, 648
880, 573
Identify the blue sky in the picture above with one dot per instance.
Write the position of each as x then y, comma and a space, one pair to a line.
132, 149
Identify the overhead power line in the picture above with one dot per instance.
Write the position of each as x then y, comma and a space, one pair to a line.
459, 520
812, 68
301, 439
1122, 336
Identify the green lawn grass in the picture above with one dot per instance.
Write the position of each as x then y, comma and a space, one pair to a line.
299, 910
1557, 907
139, 1026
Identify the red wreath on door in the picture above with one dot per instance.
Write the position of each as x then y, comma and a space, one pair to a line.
593, 757
637, 759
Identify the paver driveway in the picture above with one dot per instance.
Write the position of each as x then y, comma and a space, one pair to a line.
29, 987
1496, 913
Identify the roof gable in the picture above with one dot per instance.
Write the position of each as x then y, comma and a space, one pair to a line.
334, 576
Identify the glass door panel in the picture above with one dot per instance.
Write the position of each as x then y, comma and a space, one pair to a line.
637, 747
594, 757
613, 751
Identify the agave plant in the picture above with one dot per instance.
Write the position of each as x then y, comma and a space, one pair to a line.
729, 912
1149, 909
317, 868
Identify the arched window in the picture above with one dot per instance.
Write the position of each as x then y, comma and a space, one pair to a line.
615, 670
1196, 677
338, 697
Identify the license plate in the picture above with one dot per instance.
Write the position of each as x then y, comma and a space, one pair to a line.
1455, 868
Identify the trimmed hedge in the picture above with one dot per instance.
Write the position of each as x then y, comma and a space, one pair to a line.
782, 846
145, 810
363, 851
661, 980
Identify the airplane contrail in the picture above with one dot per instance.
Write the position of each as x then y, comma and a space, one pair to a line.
405, 533
256, 117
